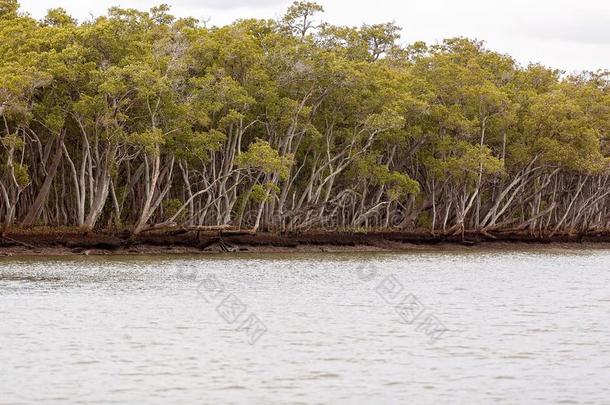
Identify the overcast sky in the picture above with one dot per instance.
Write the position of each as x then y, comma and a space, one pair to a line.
566, 34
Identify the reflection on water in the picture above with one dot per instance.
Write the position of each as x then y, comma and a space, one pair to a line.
522, 327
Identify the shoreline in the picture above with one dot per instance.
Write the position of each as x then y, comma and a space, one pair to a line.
74, 243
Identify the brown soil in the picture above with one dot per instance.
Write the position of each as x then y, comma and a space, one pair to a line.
71, 242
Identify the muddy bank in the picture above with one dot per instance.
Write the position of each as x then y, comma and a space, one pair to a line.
76, 243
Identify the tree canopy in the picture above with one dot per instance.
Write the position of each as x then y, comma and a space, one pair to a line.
140, 120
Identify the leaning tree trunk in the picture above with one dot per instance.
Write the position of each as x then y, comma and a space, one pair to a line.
36, 208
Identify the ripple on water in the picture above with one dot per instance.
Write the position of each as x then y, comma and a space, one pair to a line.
525, 326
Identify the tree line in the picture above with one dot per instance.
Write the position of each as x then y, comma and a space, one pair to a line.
139, 120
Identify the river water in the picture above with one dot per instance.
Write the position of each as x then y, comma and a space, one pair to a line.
479, 326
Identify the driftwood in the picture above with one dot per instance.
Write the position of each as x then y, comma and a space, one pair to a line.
238, 232
182, 229
210, 228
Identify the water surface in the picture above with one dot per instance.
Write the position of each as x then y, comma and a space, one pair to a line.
522, 327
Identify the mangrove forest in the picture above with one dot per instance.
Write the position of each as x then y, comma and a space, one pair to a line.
138, 121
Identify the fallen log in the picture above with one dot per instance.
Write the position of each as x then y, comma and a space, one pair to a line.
238, 232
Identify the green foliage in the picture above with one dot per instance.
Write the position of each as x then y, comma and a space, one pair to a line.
12, 142
261, 156
58, 17
171, 207
8, 9
258, 193
196, 145
424, 220
463, 160
563, 133
398, 185
262, 192
149, 140
299, 15
22, 175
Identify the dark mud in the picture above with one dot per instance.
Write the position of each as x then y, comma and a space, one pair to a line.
74, 242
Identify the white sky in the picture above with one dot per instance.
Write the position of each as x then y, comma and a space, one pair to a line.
566, 34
